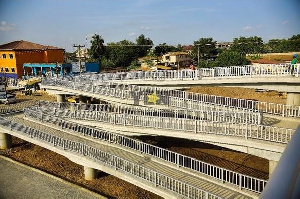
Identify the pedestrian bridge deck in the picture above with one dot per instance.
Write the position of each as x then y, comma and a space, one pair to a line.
223, 190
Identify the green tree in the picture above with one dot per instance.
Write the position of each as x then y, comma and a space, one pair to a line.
161, 49
248, 45
294, 43
143, 45
97, 49
122, 53
230, 58
204, 49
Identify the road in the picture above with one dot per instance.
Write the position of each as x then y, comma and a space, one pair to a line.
22, 182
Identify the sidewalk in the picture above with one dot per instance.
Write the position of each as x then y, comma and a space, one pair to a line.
19, 181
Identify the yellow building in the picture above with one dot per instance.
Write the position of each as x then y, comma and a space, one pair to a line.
176, 59
14, 54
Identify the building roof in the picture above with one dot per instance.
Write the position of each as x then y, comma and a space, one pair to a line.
26, 45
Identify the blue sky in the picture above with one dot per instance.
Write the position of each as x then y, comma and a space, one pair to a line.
63, 23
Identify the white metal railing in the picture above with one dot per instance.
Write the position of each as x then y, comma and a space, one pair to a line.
175, 98
225, 175
207, 112
221, 72
246, 131
102, 157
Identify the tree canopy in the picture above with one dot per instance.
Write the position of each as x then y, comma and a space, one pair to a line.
143, 45
248, 45
97, 49
205, 48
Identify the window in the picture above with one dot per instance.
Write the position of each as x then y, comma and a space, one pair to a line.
6, 70
4, 56
13, 70
11, 56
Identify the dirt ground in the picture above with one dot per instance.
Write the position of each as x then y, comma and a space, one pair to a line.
112, 187
243, 93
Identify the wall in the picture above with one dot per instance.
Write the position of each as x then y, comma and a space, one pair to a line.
7, 63
49, 56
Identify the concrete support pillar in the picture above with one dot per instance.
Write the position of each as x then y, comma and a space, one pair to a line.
60, 98
82, 99
90, 173
293, 99
5, 141
272, 166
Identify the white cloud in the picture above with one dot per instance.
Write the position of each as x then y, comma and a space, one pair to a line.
6, 27
285, 22
132, 34
145, 28
247, 28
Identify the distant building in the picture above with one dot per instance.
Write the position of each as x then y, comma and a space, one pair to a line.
176, 59
14, 54
83, 53
223, 45
188, 48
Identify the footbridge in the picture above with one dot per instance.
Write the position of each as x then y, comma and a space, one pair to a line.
76, 131
238, 132
139, 95
168, 174
249, 76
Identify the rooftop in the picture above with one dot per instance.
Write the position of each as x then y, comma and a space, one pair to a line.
26, 45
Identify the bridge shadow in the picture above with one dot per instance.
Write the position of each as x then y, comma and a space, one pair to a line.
236, 161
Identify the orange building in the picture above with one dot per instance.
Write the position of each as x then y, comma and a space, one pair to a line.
14, 54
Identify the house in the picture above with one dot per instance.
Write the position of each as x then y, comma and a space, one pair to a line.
223, 45
14, 54
176, 59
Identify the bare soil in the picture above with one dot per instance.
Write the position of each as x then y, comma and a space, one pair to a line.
243, 93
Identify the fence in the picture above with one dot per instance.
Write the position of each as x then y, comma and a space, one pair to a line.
217, 72
225, 175
207, 114
176, 98
245, 131
130, 168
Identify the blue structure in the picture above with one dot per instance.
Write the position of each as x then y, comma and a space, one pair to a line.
50, 68
9, 75
92, 67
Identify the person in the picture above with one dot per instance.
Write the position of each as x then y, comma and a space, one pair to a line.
293, 62
192, 67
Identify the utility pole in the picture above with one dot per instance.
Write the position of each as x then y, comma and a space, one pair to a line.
79, 56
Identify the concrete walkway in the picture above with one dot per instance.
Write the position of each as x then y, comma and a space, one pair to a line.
19, 181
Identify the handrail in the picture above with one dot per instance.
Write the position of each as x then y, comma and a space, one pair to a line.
285, 181
175, 98
113, 161
244, 131
225, 175
207, 113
